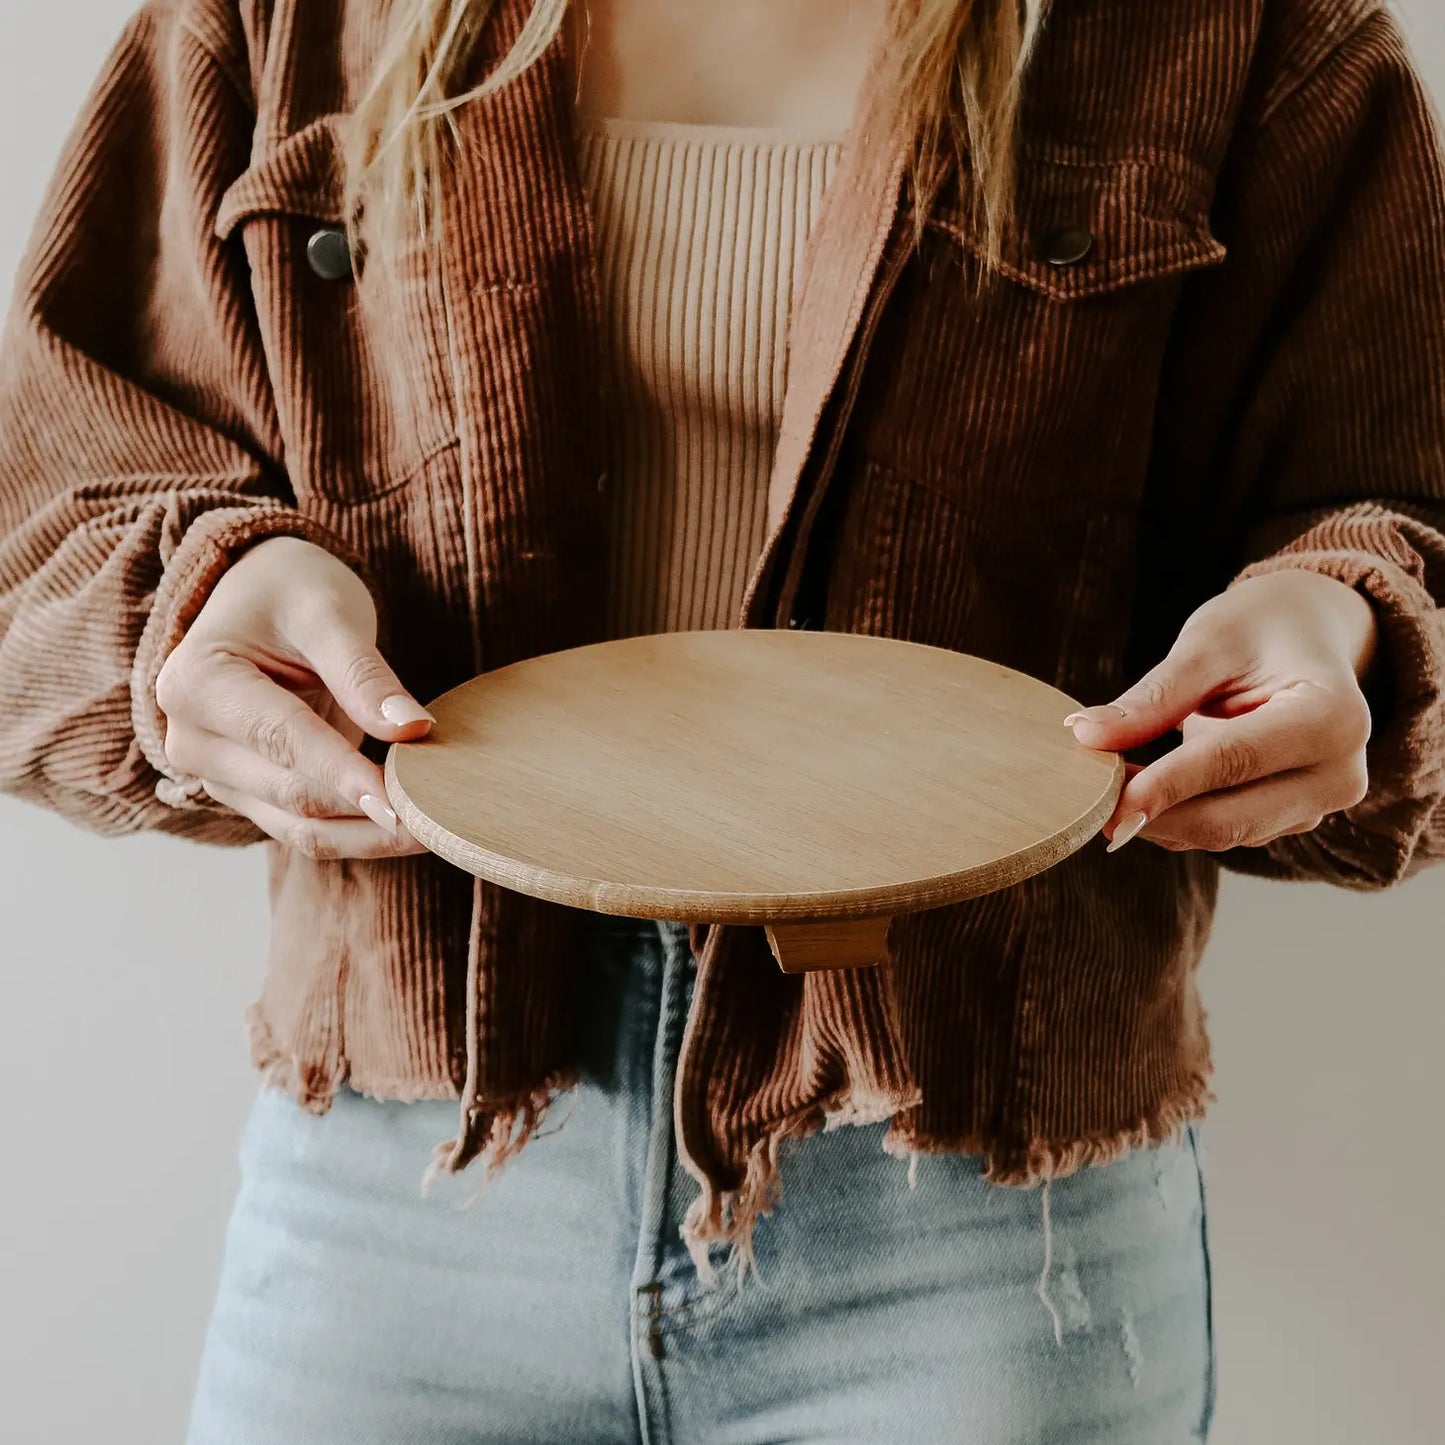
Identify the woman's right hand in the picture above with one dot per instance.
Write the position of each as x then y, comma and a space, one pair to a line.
272, 688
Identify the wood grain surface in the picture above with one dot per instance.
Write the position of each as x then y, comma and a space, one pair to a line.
753, 776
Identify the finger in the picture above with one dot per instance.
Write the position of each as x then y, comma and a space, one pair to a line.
1296, 728
1247, 816
327, 838
1186, 680
237, 766
355, 673
227, 695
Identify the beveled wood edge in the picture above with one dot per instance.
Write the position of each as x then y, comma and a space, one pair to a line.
694, 906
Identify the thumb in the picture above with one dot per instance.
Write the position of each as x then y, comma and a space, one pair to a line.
1159, 702
360, 679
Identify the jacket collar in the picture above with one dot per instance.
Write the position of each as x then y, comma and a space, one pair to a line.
840, 269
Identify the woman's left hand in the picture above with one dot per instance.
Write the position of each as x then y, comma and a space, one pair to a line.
1264, 683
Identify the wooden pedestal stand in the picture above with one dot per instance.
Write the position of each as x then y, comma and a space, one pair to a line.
816, 783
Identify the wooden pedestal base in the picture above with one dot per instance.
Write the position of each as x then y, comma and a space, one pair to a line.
837, 943
755, 774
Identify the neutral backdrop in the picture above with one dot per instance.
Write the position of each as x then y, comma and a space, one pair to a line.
127, 964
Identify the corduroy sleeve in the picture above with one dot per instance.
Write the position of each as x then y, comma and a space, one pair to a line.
1334, 448
137, 436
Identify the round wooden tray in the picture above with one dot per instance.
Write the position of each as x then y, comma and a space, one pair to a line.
816, 783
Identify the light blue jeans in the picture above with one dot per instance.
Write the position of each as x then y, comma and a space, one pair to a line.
562, 1306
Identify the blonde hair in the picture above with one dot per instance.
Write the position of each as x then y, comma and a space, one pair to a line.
954, 67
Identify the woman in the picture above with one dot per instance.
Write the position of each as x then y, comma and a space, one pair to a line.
364, 347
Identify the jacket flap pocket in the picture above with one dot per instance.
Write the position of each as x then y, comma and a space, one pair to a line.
304, 175
1088, 225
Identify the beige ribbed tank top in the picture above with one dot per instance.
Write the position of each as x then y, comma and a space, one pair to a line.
700, 237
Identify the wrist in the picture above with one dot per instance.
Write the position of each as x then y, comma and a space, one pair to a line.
1353, 621
1360, 626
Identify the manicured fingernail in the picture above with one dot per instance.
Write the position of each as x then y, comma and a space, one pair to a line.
380, 813
401, 709
1106, 712
1127, 830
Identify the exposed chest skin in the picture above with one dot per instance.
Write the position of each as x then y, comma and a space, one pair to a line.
793, 65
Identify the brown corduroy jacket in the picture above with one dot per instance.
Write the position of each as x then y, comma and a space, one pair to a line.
1242, 372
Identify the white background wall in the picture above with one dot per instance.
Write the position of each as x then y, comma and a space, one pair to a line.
127, 964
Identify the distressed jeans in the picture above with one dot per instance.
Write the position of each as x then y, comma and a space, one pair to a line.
562, 1306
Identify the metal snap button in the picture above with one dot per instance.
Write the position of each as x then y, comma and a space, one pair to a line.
329, 255
1067, 245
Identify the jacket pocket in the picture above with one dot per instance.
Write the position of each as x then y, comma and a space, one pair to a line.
302, 176
357, 354
1035, 387
991, 482
1089, 225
